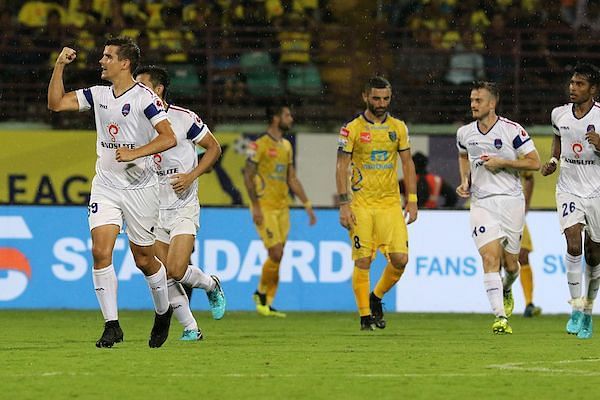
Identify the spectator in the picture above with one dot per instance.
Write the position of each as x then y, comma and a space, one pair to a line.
466, 64
430, 187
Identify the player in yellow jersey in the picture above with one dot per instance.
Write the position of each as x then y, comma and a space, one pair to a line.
370, 203
269, 175
526, 274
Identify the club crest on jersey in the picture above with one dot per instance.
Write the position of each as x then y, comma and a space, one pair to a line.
126, 109
344, 132
392, 135
577, 148
591, 128
365, 137
498, 143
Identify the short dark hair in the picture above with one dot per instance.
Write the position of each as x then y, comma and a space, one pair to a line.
128, 50
158, 75
377, 82
491, 87
275, 109
591, 72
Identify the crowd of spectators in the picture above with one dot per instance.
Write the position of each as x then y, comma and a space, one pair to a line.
443, 44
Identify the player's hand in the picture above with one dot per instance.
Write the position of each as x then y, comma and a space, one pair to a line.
347, 217
257, 215
124, 154
66, 56
492, 164
312, 218
594, 139
410, 212
548, 168
181, 182
464, 191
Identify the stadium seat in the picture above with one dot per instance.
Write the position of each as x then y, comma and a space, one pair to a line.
304, 80
184, 79
262, 77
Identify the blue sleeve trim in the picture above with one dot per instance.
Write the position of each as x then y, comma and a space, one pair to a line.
88, 96
194, 131
151, 111
518, 142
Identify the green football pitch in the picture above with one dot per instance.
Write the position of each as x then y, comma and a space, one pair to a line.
51, 355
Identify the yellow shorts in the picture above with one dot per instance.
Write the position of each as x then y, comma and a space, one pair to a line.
275, 226
383, 229
526, 240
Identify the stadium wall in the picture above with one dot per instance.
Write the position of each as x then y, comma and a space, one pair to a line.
45, 262
56, 167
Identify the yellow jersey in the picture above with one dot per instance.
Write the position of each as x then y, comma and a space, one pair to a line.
374, 148
273, 158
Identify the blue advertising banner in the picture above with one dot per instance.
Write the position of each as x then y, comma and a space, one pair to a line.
45, 262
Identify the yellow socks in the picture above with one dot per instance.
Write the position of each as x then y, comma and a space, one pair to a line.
269, 279
527, 283
361, 286
388, 279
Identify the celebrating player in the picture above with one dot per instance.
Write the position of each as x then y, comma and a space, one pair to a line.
492, 152
577, 145
178, 171
370, 145
125, 184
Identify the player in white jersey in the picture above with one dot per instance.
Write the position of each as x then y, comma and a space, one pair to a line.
492, 152
576, 146
125, 186
178, 170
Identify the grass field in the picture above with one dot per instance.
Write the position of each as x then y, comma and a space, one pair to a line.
51, 355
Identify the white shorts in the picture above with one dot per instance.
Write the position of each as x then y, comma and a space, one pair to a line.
138, 208
577, 210
179, 221
498, 217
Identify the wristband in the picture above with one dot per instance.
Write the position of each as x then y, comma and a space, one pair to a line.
553, 160
412, 198
343, 198
307, 204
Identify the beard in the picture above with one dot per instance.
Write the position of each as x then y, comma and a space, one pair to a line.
378, 112
284, 128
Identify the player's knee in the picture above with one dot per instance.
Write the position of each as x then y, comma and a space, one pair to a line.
524, 257
363, 263
491, 262
574, 249
102, 255
399, 261
276, 253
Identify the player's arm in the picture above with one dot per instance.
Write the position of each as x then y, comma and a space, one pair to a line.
296, 187
529, 162
549, 167
164, 141
464, 167
58, 100
410, 180
250, 172
181, 182
528, 182
342, 167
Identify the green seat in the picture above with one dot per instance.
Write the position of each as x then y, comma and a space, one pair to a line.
184, 79
262, 77
304, 80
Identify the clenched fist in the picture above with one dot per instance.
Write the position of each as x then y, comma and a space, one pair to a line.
66, 56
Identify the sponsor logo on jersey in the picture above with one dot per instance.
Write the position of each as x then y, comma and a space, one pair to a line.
365, 137
498, 143
104, 106
342, 143
591, 128
379, 155
159, 104
577, 148
392, 135
113, 130
272, 152
126, 109
344, 132
157, 158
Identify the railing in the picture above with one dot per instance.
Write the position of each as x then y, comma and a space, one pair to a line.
533, 71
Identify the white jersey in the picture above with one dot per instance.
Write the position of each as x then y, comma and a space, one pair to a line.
124, 121
579, 165
507, 140
189, 130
